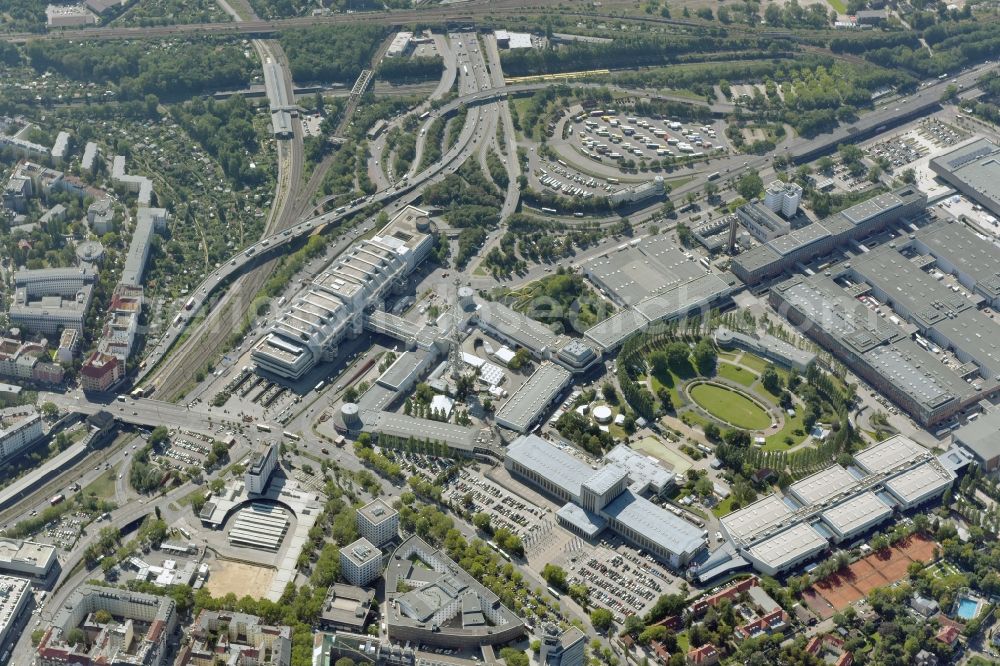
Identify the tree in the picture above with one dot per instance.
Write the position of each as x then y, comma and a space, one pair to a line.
351, 394
159, 435
482, 521
750, 184
677, 356
521, 357
602, 619
610, 394
771, 380
665, 606
49, 410
102, 617
555, 576
705, 357
75, 636
514, 657
712, 432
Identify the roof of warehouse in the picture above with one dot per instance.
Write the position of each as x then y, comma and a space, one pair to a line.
856, 512
788, 545
924, 378
906, 283
829, 307
980, 436
532, 396
549, 461
611, 332
751, 518
975, 334
968, 251
889, 453
920, 482
521, 328
823, 485
400, 425
670, 532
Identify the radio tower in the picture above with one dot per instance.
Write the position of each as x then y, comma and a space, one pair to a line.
455, 351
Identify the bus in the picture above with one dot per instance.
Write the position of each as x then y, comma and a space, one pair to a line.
189, 304
550, 211
291, 435
561, 163
713, 176
319, 385
58, 499
136, 393
613, 181
425, 115
553, 592
263, 427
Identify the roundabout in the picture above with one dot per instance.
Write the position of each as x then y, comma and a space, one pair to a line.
729, 405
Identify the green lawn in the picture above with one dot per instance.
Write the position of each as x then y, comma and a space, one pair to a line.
730, 406
838, 5
103, 487
776, 442
736, 374
654, 447
754, 362
723, 507
683, 643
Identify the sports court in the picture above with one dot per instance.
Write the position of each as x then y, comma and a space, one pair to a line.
838, 591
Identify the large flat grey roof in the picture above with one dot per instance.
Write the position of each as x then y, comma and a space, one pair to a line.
799, 540
889, 453
907, 284
799, 238
400, 425
920, 482
614, 330
822, 485
831, 309
519, 327
533, 396
756, 258
864, 211
697, 292
976, 335
670, 532
645, 267
972, 254
562, 468
919, 373
975, 167
857, 512
752, 518
981, 436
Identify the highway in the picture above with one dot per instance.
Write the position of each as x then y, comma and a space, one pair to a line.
226, 313
476, 91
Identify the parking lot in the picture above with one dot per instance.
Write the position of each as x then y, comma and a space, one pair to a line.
618, 137
620, 578
504, 508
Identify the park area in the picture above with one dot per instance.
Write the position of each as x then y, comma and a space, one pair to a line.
852, 583
729, 406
